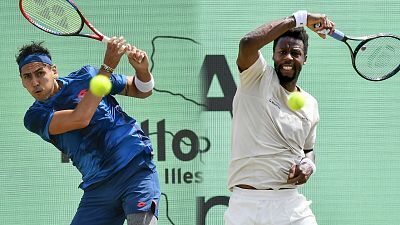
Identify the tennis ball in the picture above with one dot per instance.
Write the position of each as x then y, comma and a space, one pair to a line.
100, 85
295, 101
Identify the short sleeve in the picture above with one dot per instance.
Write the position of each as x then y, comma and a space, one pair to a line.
118, 80
312, 136
250, 78
37, 120
118, 83
255, 70
310, 140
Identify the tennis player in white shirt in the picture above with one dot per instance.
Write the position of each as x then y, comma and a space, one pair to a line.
272, 145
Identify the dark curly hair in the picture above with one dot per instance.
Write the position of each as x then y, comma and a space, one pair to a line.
297, 33
28, 49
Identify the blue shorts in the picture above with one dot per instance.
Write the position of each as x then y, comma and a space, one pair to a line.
134, 189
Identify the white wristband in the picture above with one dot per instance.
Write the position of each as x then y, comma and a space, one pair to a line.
144, 86
301, 18
306, 164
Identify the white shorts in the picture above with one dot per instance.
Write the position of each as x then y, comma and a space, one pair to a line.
268, 207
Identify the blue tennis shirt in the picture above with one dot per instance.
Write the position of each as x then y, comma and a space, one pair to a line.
107, 144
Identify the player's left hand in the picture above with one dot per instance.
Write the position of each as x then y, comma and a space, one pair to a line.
297, 176
137, 58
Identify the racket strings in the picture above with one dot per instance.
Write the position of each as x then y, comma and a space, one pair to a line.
57, 16
379, 57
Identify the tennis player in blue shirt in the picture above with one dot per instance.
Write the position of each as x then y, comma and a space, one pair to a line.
107, 146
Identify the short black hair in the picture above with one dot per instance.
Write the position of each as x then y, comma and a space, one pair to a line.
29, 49
297, 33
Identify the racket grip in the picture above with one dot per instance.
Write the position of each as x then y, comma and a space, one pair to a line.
105, 39
337, 34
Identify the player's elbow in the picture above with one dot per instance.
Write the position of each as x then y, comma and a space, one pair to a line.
81, 120
148, 94
247, 47
144, 95
82, 123
245, 42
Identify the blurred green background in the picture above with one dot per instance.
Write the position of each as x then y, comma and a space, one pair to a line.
358, 138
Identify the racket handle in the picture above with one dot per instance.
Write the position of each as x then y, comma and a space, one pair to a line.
337, 34
106, 39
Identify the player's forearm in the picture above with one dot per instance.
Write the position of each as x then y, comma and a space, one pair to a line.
266, 33
78, 118
310, 155
87, 107
144, 75
132, 91
251, 43
143, 83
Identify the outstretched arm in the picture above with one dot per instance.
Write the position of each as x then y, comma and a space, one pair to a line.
252, 42
258, 38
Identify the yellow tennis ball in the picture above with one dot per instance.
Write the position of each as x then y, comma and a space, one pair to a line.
295, 101
100, 85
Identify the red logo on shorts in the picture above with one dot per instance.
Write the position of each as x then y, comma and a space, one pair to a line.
141, 204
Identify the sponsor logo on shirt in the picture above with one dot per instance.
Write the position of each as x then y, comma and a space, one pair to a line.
141, 204
304, 118
81, 94
274, 103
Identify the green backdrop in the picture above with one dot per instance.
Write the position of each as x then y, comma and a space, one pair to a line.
193, 47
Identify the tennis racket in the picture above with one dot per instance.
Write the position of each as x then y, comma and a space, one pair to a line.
376, 57
59, 17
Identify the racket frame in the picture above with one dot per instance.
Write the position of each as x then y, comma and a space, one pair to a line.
97, 35
340, 36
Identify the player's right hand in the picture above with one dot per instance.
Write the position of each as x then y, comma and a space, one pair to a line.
115, 50
323, 24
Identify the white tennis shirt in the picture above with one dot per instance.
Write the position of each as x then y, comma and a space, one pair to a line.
268, 137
